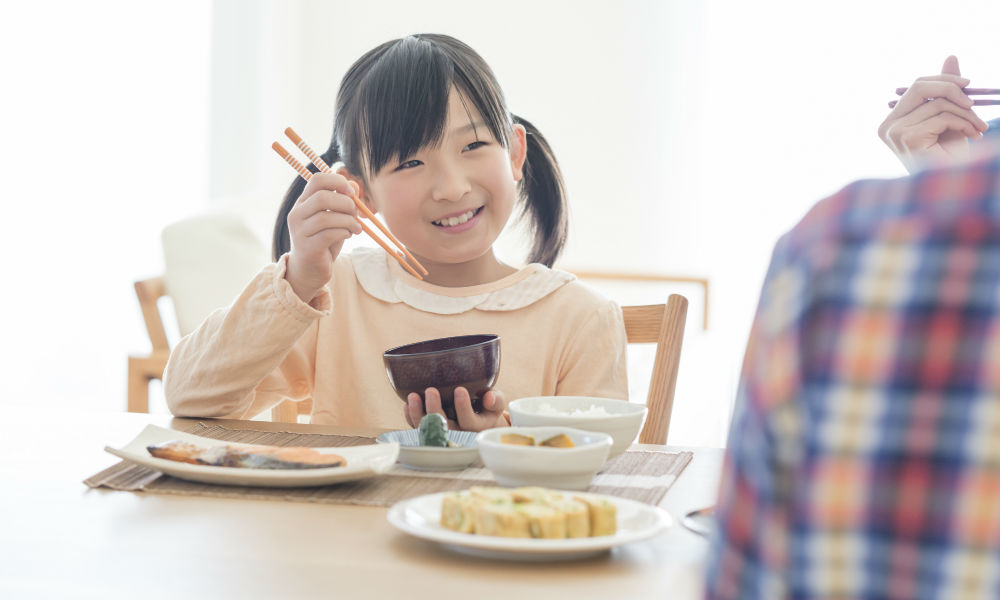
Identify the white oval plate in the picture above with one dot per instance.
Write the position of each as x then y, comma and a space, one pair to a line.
421, 517
362, 462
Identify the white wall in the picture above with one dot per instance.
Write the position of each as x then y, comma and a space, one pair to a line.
104, 120
692, 133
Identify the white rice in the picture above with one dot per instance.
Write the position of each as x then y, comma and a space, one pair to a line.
546, 408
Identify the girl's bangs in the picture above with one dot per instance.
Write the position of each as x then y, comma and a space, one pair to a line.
403, 102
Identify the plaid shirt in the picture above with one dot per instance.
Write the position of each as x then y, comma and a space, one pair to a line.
864, 456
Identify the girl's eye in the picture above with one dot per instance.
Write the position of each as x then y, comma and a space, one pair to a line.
474, 145
408, 165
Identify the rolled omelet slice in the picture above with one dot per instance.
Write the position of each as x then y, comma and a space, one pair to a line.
534, 494
543, 521
502, 520
491, 494
577, 516
603, 514
458, 512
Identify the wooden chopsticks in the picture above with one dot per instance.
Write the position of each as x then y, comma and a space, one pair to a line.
402, 254
968, 92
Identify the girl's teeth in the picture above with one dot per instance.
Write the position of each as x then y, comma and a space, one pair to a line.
452, 221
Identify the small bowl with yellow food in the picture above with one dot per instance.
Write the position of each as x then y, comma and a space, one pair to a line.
557, 457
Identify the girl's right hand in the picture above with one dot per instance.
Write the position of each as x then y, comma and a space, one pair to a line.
933, 121
323, 217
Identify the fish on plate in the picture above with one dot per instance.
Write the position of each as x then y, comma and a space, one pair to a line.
250, 457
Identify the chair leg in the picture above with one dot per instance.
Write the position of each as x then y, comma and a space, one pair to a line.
138, 386
286, 412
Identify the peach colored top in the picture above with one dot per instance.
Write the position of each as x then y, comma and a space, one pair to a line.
557, 337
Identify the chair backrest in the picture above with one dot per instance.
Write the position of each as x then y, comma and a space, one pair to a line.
208, 259
662, 324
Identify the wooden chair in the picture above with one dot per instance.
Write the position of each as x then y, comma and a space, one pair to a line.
145, 368
142, 369
289, 411
660, 324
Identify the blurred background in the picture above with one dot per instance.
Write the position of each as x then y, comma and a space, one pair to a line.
692, 134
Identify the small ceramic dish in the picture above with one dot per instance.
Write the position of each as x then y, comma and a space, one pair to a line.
564, 468
432, 458
618, 418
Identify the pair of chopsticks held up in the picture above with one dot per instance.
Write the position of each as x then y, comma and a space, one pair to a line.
968, 92
400, 253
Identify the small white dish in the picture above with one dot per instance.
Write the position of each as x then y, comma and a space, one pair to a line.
618, 418
362, 462
421, 517
563, 468
433, 458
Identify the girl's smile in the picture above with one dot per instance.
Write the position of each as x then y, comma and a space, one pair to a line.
459, 222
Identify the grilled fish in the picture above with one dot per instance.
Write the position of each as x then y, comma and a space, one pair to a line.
256, 457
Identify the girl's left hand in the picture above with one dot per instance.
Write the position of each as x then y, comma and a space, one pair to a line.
494, 405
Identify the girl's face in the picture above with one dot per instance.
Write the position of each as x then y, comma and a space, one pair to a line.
449, 204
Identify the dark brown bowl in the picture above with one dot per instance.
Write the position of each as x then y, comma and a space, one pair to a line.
470, 361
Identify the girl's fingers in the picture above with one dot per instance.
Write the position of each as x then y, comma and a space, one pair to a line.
493, 406
331, 182
414, 409
325, 200
324, 221
330, 215
432, 401
463, 409
495, 401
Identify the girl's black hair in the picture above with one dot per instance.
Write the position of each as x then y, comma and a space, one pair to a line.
394, 101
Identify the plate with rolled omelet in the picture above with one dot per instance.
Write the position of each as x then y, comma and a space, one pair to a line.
528, 523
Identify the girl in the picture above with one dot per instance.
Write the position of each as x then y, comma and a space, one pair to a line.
423, 131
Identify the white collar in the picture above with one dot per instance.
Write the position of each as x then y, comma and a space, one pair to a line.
382, 278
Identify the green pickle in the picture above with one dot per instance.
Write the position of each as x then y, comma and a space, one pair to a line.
433, 431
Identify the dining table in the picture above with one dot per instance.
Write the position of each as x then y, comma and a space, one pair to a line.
60, 538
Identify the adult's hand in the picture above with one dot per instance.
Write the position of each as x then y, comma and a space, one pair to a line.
933, 121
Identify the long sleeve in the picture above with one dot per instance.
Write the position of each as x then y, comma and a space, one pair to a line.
594, 362
249, 356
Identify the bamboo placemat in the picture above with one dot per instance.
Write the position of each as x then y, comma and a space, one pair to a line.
637, 474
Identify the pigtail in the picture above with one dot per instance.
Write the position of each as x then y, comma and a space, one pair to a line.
544, 198
281, 242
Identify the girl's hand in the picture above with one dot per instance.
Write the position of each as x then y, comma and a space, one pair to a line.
322, 218
494, 405
933, 121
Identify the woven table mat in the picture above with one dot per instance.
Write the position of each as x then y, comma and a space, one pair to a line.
637, 474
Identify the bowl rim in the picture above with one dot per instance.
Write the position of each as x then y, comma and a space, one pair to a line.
631, 411
485, 440
491, 338
386, 438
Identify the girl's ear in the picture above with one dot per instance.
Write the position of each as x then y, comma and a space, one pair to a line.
359, 187
518, 151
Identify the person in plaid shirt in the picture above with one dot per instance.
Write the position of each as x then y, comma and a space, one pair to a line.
864, 456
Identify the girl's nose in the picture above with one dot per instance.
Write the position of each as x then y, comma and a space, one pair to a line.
451, 183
